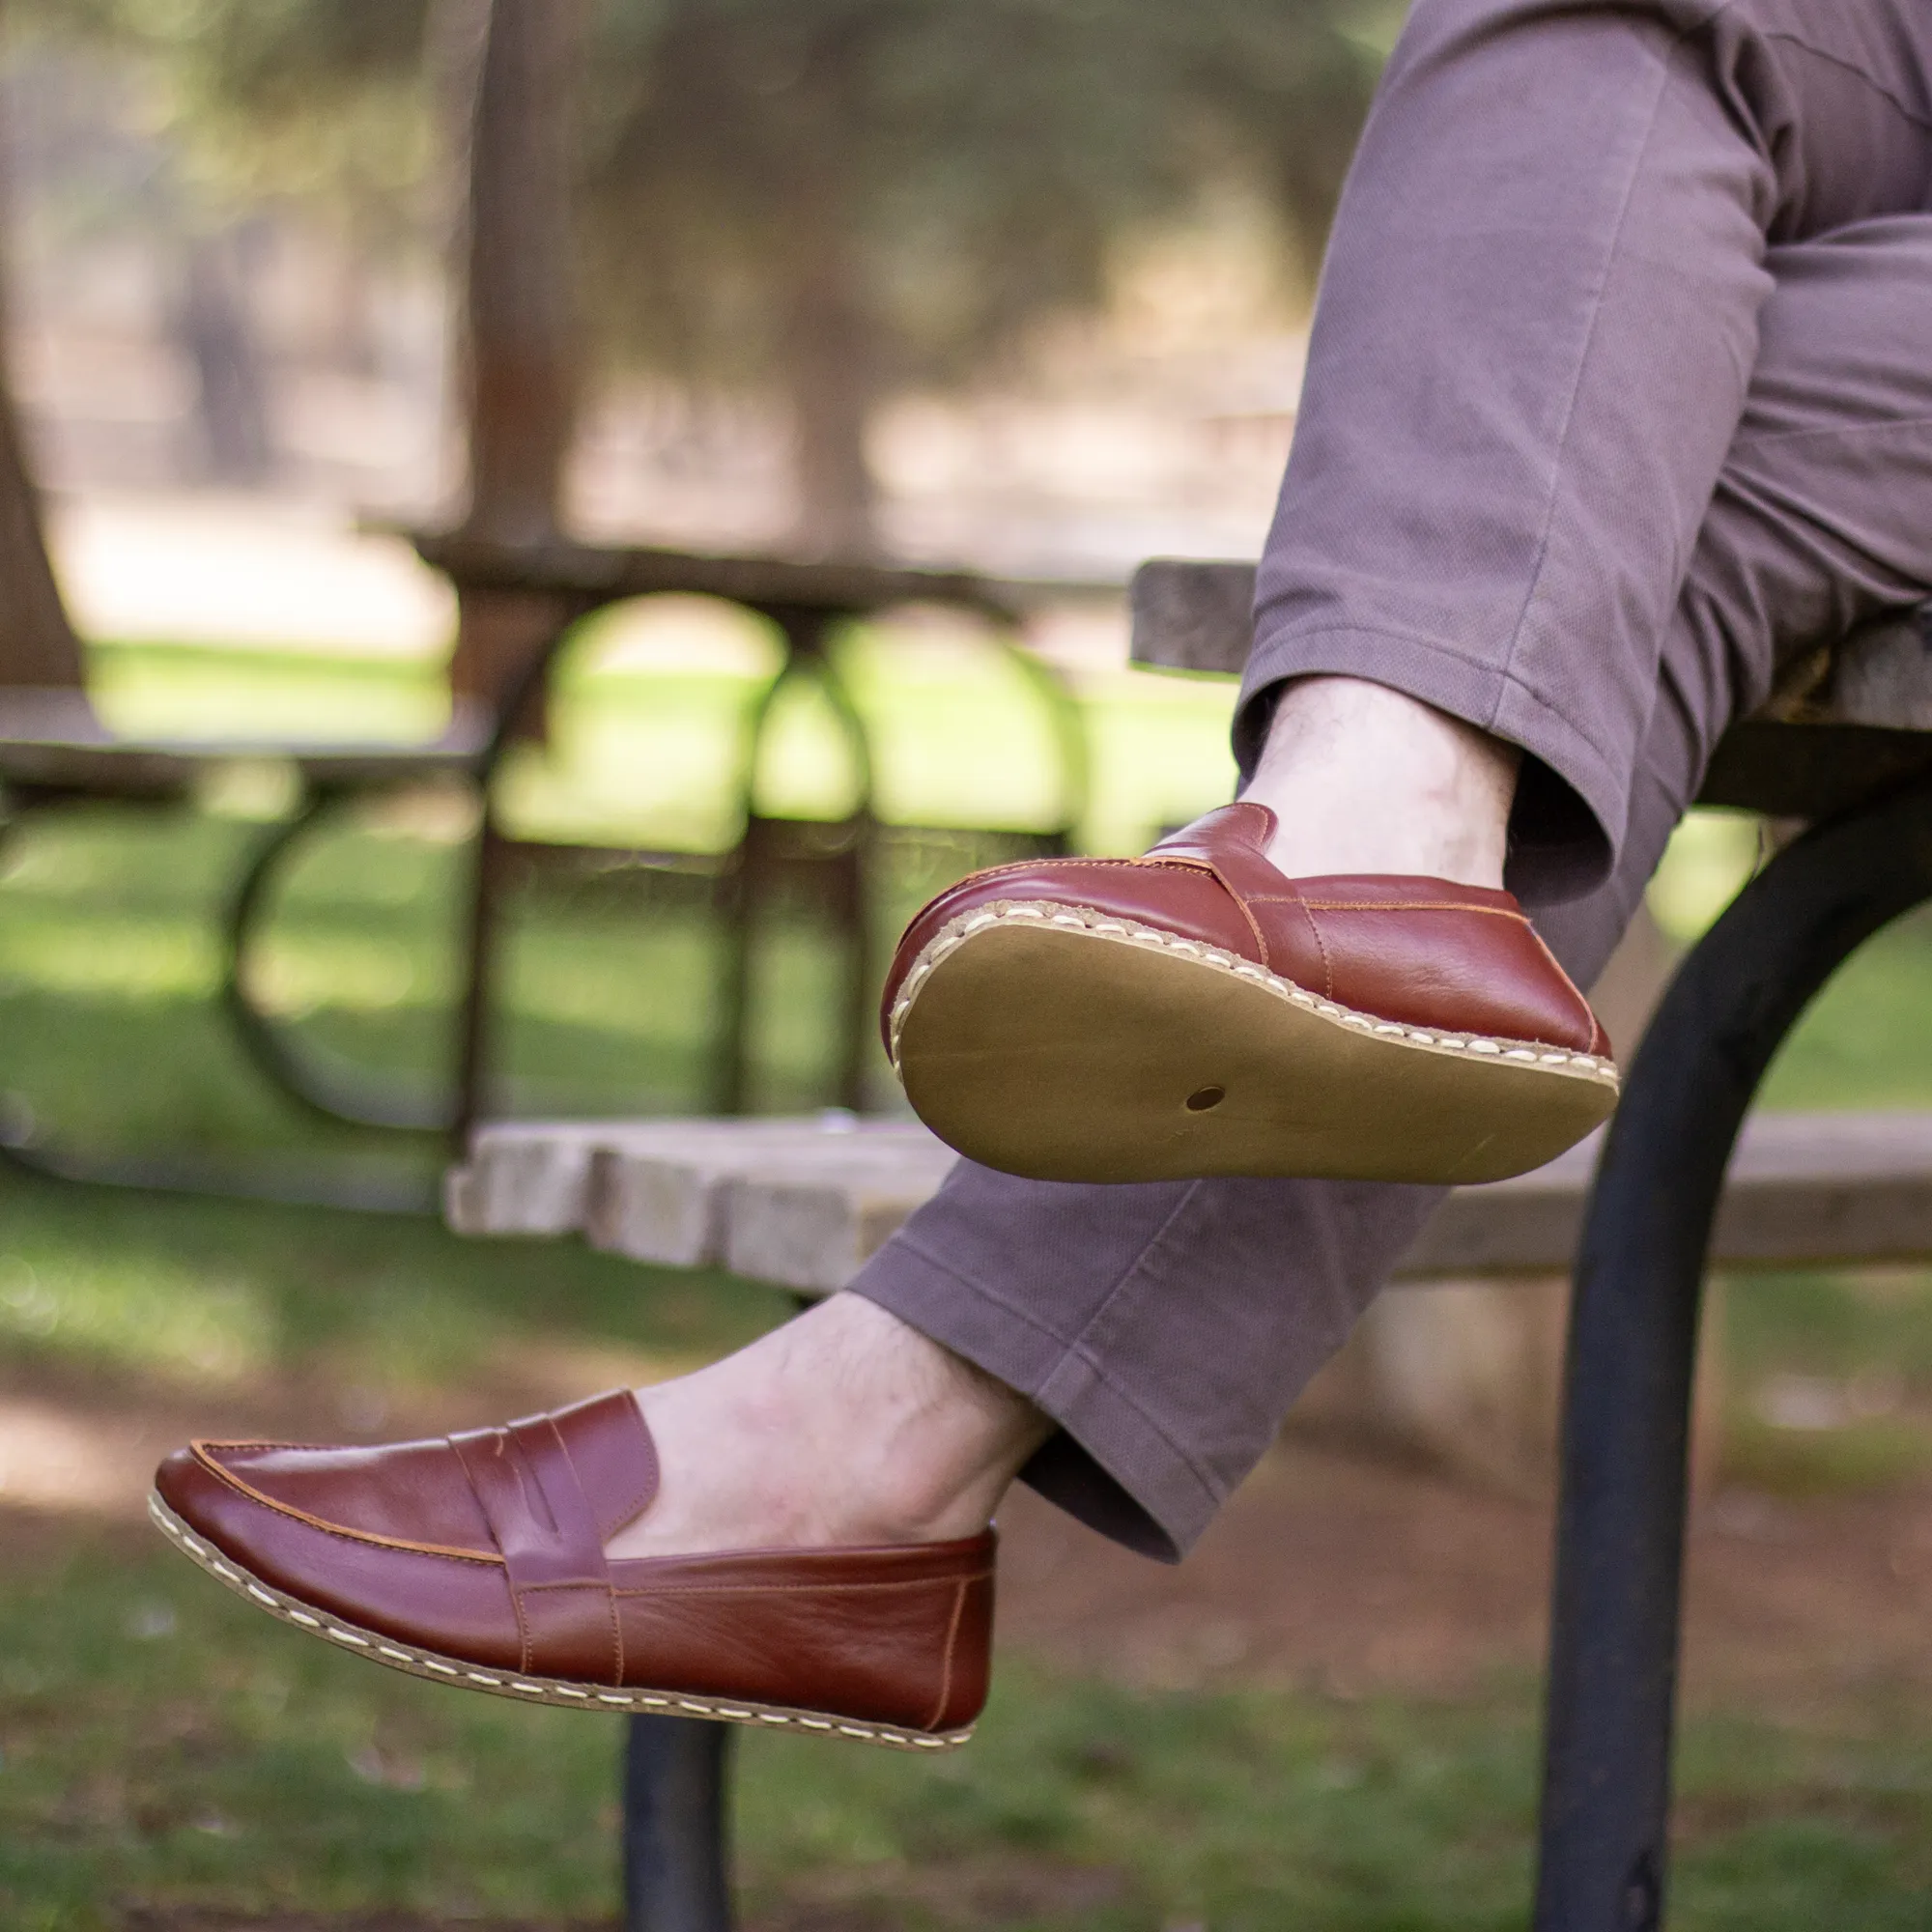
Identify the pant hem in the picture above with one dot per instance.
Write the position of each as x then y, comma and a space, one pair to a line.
1106, 1442
1569, 820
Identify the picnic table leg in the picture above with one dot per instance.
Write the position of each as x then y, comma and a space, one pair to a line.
675, 1835
363, 1101
1632, 1343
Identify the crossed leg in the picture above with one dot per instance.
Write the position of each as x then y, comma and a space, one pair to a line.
1619, 395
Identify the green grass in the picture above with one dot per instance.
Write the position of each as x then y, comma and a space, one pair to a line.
647, 722
160, 1744
186, 1291
164, 1744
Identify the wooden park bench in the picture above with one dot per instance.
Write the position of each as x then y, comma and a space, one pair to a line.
802, 1204
1645, 1210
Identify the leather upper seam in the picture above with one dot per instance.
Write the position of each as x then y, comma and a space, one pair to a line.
1240, 899
369, 1538
958, 1616
1413, 905
1571, 988
1320, 946
799, 1589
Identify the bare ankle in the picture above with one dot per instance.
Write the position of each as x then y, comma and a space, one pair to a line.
845, 1427
1364, 779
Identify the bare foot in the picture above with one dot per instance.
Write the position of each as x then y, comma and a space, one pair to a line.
845, 1427
1363, 779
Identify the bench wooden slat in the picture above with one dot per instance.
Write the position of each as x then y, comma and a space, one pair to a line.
803, 1204
655, 1190
681, 1204
812, 1232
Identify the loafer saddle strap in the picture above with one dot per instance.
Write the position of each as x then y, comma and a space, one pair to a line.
547, 1532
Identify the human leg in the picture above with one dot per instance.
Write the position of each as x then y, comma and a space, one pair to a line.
1168, 1328
1162, 1329
1131, 1313
1324, 772
1538, 323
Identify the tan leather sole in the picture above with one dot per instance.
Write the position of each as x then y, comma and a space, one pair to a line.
437, 1669
1059, 1043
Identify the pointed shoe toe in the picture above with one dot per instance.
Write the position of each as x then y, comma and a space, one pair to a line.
1195, 1013
478, 1560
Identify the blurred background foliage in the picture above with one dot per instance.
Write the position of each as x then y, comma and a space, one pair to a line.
830, 200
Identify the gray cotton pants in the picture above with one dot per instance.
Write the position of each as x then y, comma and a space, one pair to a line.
1620, 392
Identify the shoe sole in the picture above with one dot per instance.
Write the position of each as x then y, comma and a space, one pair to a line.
531, 1689
1059, 1043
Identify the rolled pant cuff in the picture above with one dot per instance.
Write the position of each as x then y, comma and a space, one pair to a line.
1569, 816
1106, 1441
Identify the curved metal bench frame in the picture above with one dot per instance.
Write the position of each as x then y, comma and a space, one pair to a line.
1639, 1279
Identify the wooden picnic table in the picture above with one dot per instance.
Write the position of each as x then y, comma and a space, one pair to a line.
807, 602
54, 751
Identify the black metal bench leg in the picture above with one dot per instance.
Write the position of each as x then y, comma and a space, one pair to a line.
675, 1835
1632, 1343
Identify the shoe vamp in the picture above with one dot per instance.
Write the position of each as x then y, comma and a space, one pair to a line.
400, 1492
1447, 968
874, 1654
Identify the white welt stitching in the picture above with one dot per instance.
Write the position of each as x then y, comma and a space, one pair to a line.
548, 1690
952, 937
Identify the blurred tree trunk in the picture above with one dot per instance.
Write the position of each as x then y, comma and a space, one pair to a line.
214, 326
521, 339
832, 374
830, 359
37, 645
513, 64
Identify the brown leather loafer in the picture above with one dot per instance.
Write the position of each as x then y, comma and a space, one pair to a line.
478, 1560
1194, 1012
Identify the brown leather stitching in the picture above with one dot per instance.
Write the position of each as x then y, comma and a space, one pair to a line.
1597, 1033
369, 1537
525, 1648
1320, 946
794, 1589
958, 1617
1247, 913
210, 1443
1413, 905
609, 1610
1221, 879
1034, 865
